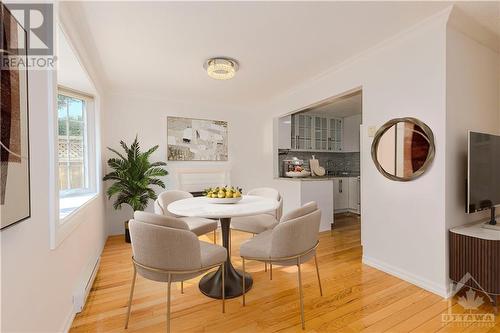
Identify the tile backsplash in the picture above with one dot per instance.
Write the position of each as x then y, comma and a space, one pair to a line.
332, 162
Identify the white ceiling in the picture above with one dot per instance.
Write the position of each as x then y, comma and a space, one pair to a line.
159, 48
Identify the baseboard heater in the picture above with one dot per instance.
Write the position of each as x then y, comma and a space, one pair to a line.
83, 290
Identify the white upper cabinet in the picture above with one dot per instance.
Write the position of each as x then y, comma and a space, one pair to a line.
315, 133
351, 133
285, 132
320, 133
335, 128
304, 131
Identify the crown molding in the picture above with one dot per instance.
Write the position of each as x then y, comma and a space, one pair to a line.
465, 24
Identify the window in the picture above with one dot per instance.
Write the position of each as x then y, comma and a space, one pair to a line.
76, 156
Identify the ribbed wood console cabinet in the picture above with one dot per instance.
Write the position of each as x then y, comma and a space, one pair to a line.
476, 250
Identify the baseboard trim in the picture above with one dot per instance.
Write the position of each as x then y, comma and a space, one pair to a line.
71, 316
69, 321
408, 277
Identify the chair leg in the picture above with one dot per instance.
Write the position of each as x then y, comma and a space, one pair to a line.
223, 289
301, 296
215, 236
182, 287
265, 266
243, 279
317, 273
130, 298
270, 271
168, 301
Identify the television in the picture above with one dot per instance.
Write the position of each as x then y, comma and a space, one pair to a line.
483, 178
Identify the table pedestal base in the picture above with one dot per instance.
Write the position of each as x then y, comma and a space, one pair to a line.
211, 283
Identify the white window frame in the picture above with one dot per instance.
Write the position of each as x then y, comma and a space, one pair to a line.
62, 227
89, 142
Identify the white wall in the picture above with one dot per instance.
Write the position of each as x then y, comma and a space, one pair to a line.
403, 228
146, 116
472, 103
403, 223
37, 283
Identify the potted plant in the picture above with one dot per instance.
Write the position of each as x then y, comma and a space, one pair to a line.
134, 176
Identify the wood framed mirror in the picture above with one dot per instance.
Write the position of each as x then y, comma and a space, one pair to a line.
403, 149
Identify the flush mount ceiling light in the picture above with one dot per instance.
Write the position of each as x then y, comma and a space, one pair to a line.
221, 68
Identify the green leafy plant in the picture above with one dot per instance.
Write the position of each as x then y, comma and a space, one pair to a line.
134, 175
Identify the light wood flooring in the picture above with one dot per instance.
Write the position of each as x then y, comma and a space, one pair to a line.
357, 298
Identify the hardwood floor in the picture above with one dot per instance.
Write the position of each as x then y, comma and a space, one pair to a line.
357, 298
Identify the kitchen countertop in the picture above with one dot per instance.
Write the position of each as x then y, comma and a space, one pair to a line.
316, 178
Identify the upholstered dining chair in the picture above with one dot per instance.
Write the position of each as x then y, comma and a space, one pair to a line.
164, 250
292, 242
198, 225
255, 224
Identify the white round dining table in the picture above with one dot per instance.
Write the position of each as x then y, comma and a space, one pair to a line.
210, 284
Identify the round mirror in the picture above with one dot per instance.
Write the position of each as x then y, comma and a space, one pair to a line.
403, 149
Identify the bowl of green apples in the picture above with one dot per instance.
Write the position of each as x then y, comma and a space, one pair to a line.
223, 194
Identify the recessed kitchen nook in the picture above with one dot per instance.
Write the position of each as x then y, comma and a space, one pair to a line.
318, 150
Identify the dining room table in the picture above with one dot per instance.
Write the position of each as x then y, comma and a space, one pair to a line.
210, 283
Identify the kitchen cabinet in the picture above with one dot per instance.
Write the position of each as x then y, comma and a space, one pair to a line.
285, 132
302, 132
351, 133
346, 194
340, 193
334, 134
320, 133
354, 195
316, 133
320, 192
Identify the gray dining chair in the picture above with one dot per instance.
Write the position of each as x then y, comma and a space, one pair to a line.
164, 250
198, 225
255, 224
292, 242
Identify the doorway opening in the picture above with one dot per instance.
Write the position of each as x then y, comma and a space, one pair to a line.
322, 142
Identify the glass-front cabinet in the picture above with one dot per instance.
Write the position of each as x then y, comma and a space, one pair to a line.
334, 134
316, 133
305, 132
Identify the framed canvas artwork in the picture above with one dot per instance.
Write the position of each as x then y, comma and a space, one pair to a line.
191, 139
14, 140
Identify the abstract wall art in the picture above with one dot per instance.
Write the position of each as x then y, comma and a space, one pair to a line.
14, 137
191, 139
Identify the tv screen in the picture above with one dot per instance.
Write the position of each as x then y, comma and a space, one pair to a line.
483, 171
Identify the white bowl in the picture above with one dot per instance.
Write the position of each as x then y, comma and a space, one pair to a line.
294, 174
224, 200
